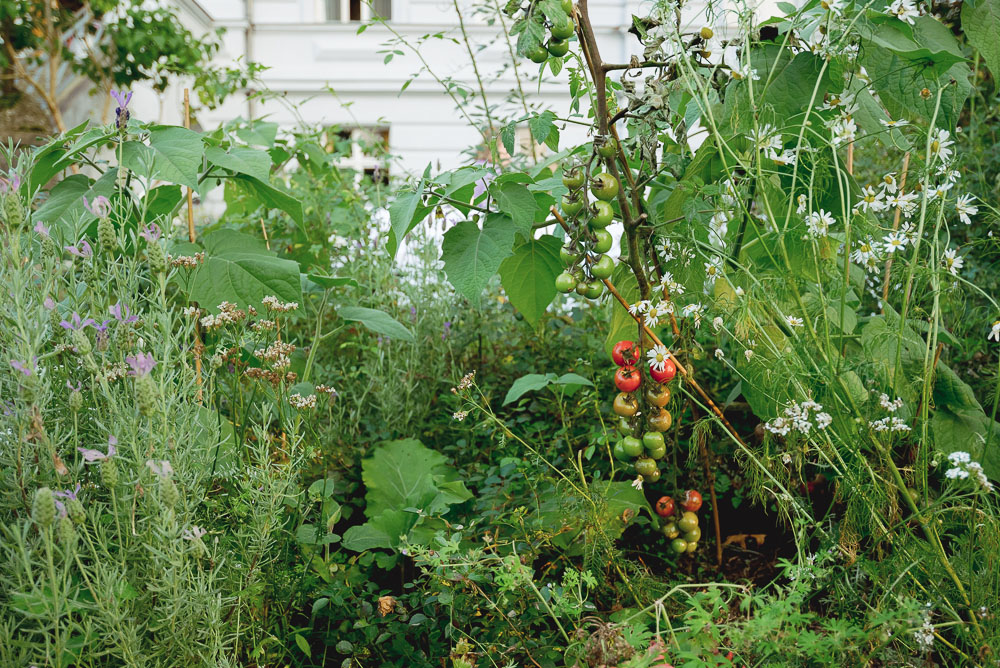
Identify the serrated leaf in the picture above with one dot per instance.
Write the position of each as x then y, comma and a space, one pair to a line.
517, 202
377, 321
528, 276
981, 23
472, 255
507, 136
541, 125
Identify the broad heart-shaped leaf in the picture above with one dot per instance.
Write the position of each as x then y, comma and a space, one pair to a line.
380, 532
377, 321
242, 160
268, 196
238, 269
177, 154
406, 474
981, 23
528, 383
472, 256
899, 83
160, 201
928, 43
516, 201
528, 276
792, 79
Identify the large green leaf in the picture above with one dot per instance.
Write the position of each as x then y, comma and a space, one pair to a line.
792, 79
528, 276
536, 381
267, 195
405, 481
240, 270
242, 160
177, 154
928, 43
377, 321
404, 214
472, 255
515, 200
981, 23
65, 202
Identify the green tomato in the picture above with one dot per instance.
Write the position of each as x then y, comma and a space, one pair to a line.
687, 522
573, 177
618, 451
581, 288
678, 545
653, 440
565, 282
670, 530
657, 453
645, 466
568, 256
604, 241
601, 215
562, 28
594, 290
558, 47
652, 477
573, 203
567, 6
624, 427
608, 148
693, 536
632, 446
537, 54
604, 186
603, 268
692, 547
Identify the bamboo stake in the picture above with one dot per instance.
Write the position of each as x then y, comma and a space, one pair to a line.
198, 345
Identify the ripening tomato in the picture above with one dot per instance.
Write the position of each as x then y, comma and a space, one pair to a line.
603, 268
625, 405
693, 536
658, 395
646, 467
624, 353
665, 376
692, 501
627, 379
670, 530
687, 522
665, 506
660, 421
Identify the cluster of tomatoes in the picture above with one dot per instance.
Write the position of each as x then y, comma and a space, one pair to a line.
682, 531
584, 255
643, 451
561, 29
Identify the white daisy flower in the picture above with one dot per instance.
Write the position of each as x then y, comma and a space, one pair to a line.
952, 261
965, 209
941, 145
713, 269
994, 332
819, 222
871, 200
802, 201
889, 123
895, 241
904, 10
657, 357
794, 321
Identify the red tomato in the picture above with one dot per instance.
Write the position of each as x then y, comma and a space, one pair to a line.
692, 501
624, 353
665, 376
627, 379
665, 506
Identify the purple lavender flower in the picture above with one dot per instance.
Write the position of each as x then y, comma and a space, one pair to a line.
116, 311
160, 467
102, 327
41, 230
141, 364
49, 303
151, 233
121, 113
79, 385
100, 207
65, 494
82, 249
413, 314
13, 184
24, 367
90, 455
447, 330
77, 322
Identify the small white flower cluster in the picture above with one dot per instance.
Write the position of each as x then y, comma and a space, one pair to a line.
768, 140
651, 313
819, 222
672, 286
964, 468
695, 312
460, 415
891, 405
891, 423
798, 418
904, 10
229, 314
299, 402
465, 383
925, 634
277, 354
273, 304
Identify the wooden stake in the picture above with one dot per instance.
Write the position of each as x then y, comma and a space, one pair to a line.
198, 346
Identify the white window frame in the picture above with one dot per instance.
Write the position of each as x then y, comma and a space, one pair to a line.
359, 161
345, 12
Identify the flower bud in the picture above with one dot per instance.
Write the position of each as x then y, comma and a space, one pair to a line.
109, 473
106, 235
49, 249
157, 258
43, 511
12, 211
170, 496
67, 533
75, 401
75, 510
146, 395
81, 342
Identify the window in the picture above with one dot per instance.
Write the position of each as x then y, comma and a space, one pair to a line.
347, 11
362, 150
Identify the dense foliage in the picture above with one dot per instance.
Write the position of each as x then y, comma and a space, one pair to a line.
340, 425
